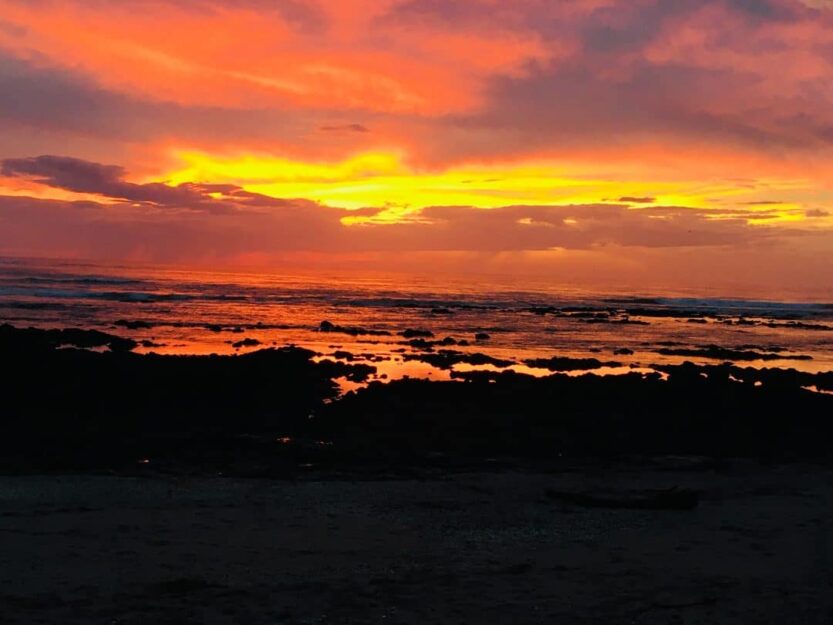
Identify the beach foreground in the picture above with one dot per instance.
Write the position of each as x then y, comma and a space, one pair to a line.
464, 548
249, 489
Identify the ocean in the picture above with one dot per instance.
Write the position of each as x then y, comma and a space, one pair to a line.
415, 327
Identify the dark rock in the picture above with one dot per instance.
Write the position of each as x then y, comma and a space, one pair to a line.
629, 321
558, 363
411, 333
134, 325
327, 326
724, 353
352, 372
247, 342
800, 325
422, 344
425, 345
592, 316
11, 337
699, 410
446, 359
673, 313
209, 414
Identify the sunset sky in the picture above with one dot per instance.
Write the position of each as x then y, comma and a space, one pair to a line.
670, 143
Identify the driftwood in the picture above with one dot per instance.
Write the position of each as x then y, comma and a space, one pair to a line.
671, 499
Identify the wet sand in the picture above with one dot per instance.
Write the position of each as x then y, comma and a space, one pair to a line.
477, 548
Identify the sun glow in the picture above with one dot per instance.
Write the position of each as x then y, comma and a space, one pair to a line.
384, 180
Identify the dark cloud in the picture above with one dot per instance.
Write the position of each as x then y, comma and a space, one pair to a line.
31, 226
614, 30
628, 199
459, 15
303, 15
68, 173
80, 176
626, 82
572, 105
41, 97
817, 212
72, 174
53, 99
571, 227
769, 10
345, 128
606, 25
9, 28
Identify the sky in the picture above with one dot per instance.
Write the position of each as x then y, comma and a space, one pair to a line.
647, 144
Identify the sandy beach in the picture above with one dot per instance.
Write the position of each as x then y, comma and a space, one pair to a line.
475, 548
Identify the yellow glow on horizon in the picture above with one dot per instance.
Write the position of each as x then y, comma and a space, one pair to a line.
384, 180
44, 192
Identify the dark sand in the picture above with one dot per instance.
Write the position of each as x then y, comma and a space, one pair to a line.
478, 548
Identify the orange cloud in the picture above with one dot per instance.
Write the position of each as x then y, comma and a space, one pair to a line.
250, 58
